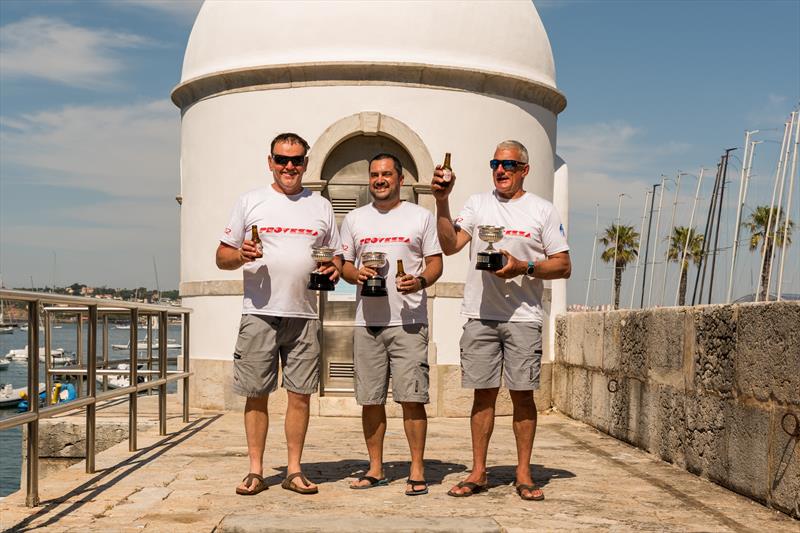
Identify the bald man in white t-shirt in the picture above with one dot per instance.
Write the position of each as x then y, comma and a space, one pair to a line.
502, 336
280, 320
391, 332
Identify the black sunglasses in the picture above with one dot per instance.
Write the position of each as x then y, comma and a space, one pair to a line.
283, 160
508, 164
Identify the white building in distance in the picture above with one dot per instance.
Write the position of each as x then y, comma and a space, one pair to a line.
355, 78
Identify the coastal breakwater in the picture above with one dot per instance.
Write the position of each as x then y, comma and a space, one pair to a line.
712, 389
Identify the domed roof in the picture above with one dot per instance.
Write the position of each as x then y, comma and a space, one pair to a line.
505, 38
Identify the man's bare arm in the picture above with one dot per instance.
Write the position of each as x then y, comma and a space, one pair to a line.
556, 266
230, 258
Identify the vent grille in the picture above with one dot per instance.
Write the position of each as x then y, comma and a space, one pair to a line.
340, 370
342, 206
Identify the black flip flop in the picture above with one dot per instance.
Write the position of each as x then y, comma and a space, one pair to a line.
416, 492
373, 482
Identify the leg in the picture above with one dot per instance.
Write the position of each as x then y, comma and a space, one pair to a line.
297, 414
415, 423
482, 426
256, 424
524, 433
373, 421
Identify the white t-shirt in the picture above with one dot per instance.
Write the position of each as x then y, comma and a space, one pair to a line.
407, 232
288, 225
533, 231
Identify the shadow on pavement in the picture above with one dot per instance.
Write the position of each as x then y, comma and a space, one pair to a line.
102, 479
507, 475
333, 471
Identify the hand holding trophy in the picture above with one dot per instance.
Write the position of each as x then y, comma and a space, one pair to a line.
319, 281
375, 285
490, 259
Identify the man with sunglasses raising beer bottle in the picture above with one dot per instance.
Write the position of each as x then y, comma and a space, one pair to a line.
279, 318
503, 333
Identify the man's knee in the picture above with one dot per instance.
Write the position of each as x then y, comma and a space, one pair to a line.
298, 399
256, 403
414, 410
485, 397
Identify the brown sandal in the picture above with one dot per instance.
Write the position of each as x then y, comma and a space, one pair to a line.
248, 480
473, 488
531, 489
288, 485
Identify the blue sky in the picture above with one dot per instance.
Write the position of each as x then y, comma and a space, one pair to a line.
89, 139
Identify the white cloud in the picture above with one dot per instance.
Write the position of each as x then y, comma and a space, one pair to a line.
124, 150
54, 50
181, 9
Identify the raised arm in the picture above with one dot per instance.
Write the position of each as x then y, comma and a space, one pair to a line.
451, 238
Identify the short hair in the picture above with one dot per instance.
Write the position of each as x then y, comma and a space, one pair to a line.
398, 166
515, 145
291, 138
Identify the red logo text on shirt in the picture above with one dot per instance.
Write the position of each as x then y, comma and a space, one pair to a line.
517, 233
227, 231
290, 231
375, 240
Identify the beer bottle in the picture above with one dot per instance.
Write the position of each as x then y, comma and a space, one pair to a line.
400, 270
448, 171
256, 239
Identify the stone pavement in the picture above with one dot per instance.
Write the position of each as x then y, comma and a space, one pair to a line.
185, 482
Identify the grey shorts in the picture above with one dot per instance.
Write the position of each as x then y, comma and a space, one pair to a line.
490, 348
263, 341
401, 349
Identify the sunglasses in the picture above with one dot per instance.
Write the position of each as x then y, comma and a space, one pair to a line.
508, 164
283, 160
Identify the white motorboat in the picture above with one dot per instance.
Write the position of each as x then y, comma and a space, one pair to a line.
21, 354
4, 364
10, 397
142, 345
6, 330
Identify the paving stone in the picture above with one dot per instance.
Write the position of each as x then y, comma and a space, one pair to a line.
187, 479
332, 524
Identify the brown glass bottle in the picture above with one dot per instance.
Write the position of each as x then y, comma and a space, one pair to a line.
400, 270
448, 171
256, 239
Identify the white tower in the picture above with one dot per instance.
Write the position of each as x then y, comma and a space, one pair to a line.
415, 78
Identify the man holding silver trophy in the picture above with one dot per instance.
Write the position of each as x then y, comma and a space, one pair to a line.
293, 232
396, 239
503, 301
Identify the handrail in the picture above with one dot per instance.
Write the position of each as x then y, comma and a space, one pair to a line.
95, 311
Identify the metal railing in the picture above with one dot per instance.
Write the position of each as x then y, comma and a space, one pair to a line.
92, 310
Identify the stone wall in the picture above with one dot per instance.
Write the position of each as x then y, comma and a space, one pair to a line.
706, 388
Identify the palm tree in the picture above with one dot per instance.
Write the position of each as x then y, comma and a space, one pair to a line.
694, 253
626, 249
757, 226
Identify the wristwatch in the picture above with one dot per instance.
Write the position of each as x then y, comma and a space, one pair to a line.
530, 269
422, 282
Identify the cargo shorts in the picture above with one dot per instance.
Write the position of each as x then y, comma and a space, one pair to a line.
491, 348
403, 350
263, 342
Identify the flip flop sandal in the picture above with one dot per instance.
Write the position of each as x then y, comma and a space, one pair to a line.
474, 488
248, 480
416, 492
288, 485
531, 489
373, 482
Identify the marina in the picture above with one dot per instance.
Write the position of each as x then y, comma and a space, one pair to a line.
13, 375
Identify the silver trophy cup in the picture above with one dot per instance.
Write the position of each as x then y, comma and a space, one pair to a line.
317, 280
376, 285
490, 259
